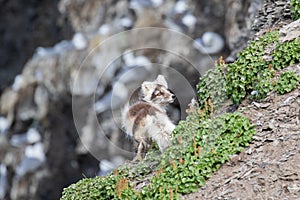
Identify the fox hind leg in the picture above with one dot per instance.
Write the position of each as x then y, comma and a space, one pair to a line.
140, 147
139, 151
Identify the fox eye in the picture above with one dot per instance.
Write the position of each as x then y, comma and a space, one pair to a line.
146, 88
157, 92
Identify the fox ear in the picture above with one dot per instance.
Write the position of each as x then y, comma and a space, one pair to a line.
146, 86
161, 80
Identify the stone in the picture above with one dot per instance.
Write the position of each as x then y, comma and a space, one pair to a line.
290, 31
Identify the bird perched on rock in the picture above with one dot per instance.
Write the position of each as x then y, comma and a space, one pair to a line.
209, 43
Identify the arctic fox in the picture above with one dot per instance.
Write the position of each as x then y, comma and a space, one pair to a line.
147, 119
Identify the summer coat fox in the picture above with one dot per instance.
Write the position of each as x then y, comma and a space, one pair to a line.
147, 119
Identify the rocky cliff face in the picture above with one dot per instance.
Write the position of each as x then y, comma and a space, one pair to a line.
59, 120
24, 27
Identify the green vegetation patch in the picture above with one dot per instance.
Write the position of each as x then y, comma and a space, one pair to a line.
199, 148
286, 54
287, 82
295, 9
114, 186
212, 87
252, 72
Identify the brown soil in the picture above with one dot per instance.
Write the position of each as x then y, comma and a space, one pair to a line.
270, 167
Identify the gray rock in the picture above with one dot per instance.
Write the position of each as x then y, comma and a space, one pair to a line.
4, 125
3, 181
30, 137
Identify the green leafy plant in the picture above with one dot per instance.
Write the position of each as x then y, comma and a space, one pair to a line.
114, 186
199, 148
212, 87
287, 82
295, 9
250, 71
263, 84
254, 68
286, 54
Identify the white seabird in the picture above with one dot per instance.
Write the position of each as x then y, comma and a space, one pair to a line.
210, 43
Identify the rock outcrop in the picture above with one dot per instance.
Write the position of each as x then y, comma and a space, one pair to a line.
24, 27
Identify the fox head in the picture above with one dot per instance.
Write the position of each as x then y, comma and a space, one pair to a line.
157, 91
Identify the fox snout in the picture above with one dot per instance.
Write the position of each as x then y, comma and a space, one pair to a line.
173, 97
169, 97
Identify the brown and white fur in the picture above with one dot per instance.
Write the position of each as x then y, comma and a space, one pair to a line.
147, 119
